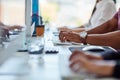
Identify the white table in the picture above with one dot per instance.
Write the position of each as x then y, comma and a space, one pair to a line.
11, 47
22, 66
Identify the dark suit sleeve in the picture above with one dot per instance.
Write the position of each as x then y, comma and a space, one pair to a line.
111, 55
116, 71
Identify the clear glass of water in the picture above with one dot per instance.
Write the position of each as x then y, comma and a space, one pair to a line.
37, 50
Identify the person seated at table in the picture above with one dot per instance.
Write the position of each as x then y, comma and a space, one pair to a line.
6, 28
107, 64
102, 12
107, 34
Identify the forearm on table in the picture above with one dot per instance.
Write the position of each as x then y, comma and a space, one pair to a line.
78, 30
1, 24
6, 26
105, 68
108, 68
108, 26
10, 27
108, 39
101, 68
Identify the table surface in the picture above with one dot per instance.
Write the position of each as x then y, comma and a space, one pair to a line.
23, 66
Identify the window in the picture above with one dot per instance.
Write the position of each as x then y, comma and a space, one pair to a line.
66, 12
57, 12
12, 11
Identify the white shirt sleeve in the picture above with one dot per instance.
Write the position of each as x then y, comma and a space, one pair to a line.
87, 26
107, 13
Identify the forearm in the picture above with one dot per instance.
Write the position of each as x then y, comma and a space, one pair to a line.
10, 27
99, 67
78, 30
108, 39
105, 68
1, 24
111, 55
82, 26
108, 26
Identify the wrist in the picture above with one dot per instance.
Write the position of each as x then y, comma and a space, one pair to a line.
83, 36
105, 69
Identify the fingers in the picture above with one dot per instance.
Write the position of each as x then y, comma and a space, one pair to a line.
75, 66
77, 63
66, 36
6, 33
17, 27
62, 36
75, 53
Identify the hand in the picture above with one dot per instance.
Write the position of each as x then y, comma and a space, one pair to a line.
4, 32
69, 36
90, 56
100, 67
15, 27
18, 27
81, 62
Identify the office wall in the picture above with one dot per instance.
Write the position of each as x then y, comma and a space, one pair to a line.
0, 11
12, 11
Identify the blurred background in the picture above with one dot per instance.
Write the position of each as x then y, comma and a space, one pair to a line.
56, 12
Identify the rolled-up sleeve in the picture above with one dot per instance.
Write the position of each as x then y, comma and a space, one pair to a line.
107, 13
